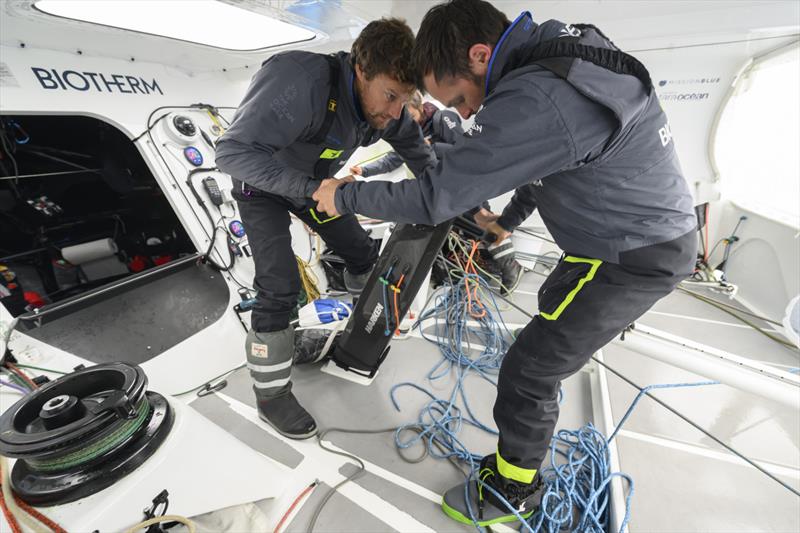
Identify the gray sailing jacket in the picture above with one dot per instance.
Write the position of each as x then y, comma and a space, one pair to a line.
267, 145
442, 129
592, 152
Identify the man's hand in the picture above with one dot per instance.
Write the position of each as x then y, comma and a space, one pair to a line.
356, 171
484, 217
326, 193
497, 229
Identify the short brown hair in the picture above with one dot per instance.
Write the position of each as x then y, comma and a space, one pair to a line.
416, 101
448, 31
384, 47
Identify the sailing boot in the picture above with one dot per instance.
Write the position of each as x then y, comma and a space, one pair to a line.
486, 507
355, 282
269, 359
510, 270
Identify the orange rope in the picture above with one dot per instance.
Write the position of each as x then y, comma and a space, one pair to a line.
55, 528
12, 522
470, 269
396, 289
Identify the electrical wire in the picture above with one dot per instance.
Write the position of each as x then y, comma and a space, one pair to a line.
28, 381
299, 497
224, 374
20, 365
359, 470
15, 387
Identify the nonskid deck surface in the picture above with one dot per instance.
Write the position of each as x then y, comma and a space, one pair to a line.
673, 465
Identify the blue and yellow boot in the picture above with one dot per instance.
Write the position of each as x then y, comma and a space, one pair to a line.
486, 507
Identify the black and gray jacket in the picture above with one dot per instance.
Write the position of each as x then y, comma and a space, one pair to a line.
589, 147
270, 144
442, 128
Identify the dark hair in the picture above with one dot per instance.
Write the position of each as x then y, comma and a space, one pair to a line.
384, 47
447, 33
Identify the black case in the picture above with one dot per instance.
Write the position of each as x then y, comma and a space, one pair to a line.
412, 250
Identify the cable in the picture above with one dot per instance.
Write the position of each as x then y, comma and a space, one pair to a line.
42, 369
361, 467
161, 519
718, 43
722, 308
19, 381
21, 374
696, 426
526, 231
224, 374
300, 496
729, 306
15, 387
149, 126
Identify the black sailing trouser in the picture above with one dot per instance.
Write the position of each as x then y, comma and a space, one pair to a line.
277, 282
583, 304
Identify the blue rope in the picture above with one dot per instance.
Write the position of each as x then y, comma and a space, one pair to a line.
575, 495
385, 282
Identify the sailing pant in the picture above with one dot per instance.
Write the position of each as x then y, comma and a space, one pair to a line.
277, 281
583, 304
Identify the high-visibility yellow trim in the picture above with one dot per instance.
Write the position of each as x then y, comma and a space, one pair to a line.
514, 473
332, 105
458, 516
571, 296
318, 220
330, 153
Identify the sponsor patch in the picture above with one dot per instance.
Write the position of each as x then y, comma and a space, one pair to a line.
258, 350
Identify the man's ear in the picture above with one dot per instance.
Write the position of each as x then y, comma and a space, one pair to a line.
359, 72
479, 56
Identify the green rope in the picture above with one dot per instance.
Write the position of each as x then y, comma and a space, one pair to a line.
98, 448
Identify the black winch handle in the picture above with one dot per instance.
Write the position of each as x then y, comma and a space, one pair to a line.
118, 402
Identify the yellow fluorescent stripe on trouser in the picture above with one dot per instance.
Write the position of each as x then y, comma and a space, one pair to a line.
318, 220
515, 473
583, 281
330, 153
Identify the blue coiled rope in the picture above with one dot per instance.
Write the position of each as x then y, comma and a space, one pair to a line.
575, 495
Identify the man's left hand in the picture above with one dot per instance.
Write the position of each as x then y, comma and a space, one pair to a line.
326, 193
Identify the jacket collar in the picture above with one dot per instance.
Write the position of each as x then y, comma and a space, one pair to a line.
349, 76
521, 32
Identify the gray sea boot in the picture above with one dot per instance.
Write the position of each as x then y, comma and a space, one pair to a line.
269, 359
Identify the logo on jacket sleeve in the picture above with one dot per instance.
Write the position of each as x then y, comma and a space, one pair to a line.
475, 128
570, 31
665, 134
